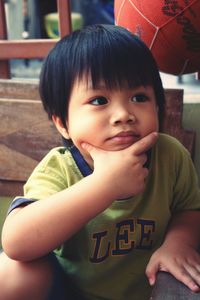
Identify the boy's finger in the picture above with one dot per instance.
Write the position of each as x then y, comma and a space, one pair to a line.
90, 148
87, 147
151, 271
145, 143
139, 147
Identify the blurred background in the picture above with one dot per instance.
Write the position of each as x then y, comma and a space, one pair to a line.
39, 19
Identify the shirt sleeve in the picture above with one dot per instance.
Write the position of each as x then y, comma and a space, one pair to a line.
48, 178
19, 201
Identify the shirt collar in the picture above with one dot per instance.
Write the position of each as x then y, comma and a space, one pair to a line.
78, 158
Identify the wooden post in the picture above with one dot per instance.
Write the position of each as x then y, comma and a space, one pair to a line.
64, 12
4, 65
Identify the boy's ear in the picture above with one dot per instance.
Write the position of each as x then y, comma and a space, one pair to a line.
59, 125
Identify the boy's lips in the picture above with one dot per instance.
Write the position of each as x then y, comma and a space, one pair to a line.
125, 137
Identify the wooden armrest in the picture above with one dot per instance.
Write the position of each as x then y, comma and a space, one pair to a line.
169, 288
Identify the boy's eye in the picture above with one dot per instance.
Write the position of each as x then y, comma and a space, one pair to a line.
99, 101
139, 98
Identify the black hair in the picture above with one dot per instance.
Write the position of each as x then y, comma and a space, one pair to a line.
106, 52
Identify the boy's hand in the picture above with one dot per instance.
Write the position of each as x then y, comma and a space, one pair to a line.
181, 260
123, 171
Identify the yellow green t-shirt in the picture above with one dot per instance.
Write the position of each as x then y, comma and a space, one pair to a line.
107, 258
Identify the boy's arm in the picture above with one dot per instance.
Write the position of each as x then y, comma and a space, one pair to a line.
34, 230
178, 254
38, 228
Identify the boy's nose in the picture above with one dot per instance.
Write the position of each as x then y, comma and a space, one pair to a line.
123, 117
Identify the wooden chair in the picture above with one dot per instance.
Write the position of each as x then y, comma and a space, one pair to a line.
172, 121
26, 134
169, 288
37, 48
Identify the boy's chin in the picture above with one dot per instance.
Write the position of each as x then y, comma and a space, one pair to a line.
120, 147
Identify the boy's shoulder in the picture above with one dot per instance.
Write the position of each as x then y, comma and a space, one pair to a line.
58, 157
169, 147
58, 152
57, 171
166, 138
168, 142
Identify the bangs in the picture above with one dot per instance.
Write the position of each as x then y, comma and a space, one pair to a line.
118, 60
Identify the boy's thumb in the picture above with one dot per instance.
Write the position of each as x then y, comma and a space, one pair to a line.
92, 150
151, 272
145, 143
88, 147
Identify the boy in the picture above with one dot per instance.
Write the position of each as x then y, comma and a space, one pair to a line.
118, 200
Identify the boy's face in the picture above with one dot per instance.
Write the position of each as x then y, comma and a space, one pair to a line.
110, 119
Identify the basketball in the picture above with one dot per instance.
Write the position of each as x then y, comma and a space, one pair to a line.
170, 28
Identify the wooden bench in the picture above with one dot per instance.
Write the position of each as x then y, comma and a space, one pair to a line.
26, 134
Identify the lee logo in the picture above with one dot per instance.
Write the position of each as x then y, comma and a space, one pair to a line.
123, 239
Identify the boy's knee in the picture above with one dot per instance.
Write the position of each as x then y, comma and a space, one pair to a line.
25, 280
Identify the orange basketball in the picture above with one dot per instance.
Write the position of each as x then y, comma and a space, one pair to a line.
170, 28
